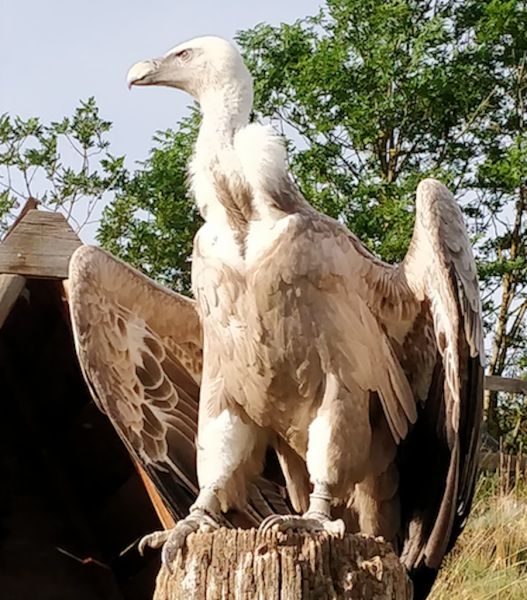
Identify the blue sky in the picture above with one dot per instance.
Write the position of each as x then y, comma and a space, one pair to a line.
55, 52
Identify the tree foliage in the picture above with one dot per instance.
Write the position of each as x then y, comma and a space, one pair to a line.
66, 165
378, 95
152, 220
499, 207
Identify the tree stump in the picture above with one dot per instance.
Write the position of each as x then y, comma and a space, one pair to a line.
244, 565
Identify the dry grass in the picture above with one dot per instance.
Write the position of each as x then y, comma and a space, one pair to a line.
489, 561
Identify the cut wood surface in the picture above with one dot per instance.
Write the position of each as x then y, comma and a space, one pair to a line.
244, 565
40, 245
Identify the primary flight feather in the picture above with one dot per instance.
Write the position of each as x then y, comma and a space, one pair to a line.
364, 378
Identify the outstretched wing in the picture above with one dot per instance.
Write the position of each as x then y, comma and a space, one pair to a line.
140, 350
430, 306
440, 267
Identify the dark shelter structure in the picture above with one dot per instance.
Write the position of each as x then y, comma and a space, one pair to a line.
72, 503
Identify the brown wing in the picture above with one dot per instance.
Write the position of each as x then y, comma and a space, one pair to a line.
445, 447
423, 316
139, 346
430, 306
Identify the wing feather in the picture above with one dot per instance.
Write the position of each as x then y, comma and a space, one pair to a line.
140, 348
438, 460
450, 282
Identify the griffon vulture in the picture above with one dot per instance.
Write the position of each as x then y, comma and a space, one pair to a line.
363, 377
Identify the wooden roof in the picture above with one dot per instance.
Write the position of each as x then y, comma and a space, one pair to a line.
72, 505
39, 245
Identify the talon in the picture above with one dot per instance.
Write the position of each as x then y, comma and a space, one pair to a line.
311, 522
198, 520
153, 540
271, 521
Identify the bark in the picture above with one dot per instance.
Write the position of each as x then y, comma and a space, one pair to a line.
244, 565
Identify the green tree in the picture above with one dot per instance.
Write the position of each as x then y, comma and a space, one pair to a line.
378, 95
152, 220
372, 96
65, 165
499, 209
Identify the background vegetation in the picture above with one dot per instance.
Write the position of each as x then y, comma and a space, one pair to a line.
489, 561
372, 96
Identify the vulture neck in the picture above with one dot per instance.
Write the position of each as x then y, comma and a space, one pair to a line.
224, 112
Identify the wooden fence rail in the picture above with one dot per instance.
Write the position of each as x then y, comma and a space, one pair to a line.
494, 383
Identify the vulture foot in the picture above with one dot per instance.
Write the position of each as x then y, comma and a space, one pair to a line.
174, 539
153, 540
311, 522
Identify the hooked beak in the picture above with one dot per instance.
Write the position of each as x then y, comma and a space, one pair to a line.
145, 72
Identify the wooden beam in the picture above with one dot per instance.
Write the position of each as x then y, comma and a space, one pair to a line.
505, 384
167, 521
31, 203
40, 245
10, 288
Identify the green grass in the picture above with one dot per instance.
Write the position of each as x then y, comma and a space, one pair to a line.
489, 561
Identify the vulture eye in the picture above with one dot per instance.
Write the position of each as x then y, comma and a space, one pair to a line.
183, 54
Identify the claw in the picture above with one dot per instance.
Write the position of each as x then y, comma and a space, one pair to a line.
174, 539
153, 540
198, 520
274, 521
310, 521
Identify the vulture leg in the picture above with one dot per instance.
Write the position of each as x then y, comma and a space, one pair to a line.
376, 497
230, 452
377, 503
336, 458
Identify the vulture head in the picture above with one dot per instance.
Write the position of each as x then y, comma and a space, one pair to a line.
204, 67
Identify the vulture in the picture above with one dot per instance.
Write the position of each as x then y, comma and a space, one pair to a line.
308, 385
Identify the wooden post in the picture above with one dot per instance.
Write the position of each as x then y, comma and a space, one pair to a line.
243, 565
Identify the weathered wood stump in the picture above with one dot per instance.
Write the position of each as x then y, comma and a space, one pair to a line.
243, 565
